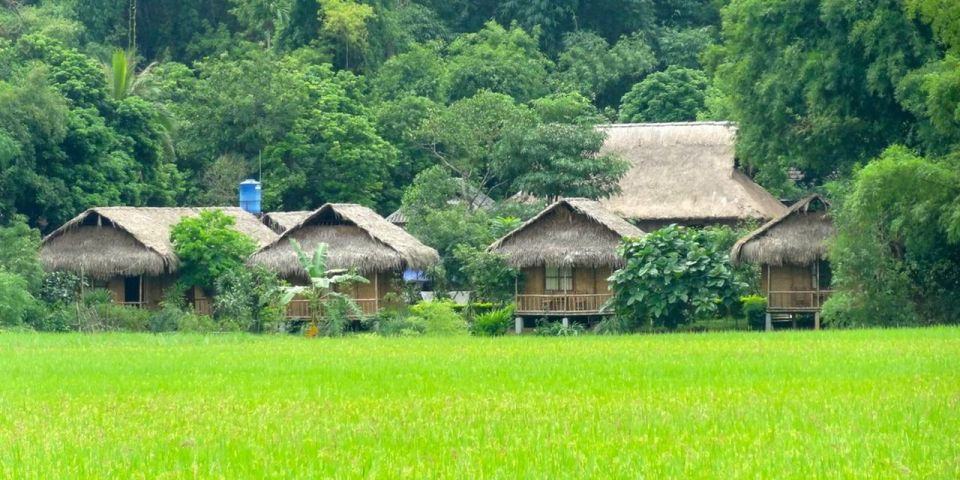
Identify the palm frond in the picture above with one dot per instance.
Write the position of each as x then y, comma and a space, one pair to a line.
320, 261
348, 278
347, 301
305, 262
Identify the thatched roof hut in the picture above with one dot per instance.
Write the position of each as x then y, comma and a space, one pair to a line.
357, 237
107, 242
282, 221
798, 237
572, 232
684, 173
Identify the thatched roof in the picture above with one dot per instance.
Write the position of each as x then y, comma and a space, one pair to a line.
684, 173
282, 221
127, 241
357, 237
798, 237
574, 232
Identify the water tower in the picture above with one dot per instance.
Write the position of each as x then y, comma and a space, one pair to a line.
250, 194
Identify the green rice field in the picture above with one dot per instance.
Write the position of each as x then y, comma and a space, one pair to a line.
848, 404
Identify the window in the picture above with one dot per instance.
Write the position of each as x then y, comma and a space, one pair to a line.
559, 278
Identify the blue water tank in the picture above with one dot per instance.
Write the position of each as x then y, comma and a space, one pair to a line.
250, 196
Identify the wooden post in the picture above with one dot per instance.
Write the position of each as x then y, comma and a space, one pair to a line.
376, 292
816, 320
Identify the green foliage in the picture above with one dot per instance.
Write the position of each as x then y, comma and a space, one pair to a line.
560, 160
805, 77
208, 247
438, 318
494, 323
671, 277
589, 65
555, 328
755, 311
500, 60
19, 252
250, 299
675, 95
896, 251
16, 302
489, 275
330, 310
61, 288
346, 22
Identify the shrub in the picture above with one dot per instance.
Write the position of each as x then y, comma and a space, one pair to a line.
673, 276
438, 318
755, 311
494, 323
61, 287
59, 318
488, 274
837, 311
108, 317
208, 247
16, 303
399, 325
191, 323
613, 325
166, 319
556, 329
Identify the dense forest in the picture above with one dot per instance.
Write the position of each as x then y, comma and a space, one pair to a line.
126, 102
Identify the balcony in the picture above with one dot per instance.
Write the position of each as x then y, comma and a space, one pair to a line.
796, 301
562, 304
299, 308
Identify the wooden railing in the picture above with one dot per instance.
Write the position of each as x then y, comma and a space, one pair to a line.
299, 308
562, 303
796, 301
133, 304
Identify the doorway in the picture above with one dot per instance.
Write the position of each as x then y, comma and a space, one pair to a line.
133, 290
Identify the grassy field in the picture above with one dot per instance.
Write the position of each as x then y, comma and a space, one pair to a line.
867, 404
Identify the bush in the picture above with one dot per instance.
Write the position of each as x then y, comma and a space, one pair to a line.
16, 303
837, 311
166, 319
488, 274
208, 247
755, 311
672, 277
59, 318
438, 318
61, 287
249, 299
556, 329
613, 325
108, 317
401, 326
191, 323
493, 324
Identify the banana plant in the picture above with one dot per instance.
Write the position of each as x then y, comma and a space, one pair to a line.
329, 308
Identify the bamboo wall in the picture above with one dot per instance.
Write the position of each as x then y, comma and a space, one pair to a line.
586, 280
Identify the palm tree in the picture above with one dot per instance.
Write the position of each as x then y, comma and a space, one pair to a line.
329, 309
122, 77
123, 81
